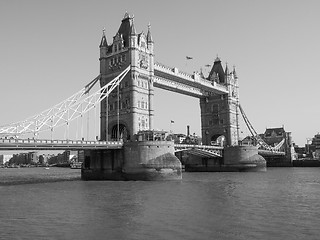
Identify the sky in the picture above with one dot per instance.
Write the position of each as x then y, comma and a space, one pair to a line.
50, 50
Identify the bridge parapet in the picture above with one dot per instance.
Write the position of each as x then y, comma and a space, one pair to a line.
172, 70
44, 144
206, 147
264, 152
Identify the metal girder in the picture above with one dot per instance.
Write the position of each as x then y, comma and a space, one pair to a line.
64, 112
200, 150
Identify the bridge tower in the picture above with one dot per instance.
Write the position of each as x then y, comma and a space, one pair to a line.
219, 113
130, 107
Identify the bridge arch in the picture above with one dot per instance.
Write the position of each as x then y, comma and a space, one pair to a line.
123, 131
218, 139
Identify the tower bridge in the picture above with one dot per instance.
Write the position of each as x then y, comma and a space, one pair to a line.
128, 76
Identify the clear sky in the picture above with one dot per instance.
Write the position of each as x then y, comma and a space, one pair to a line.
50, 49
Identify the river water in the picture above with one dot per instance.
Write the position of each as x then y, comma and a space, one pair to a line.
282, 203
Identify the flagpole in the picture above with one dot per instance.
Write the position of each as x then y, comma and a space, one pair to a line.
171, 122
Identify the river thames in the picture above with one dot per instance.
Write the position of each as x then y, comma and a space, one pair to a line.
282, 203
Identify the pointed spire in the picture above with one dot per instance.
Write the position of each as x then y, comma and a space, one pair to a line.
217, 71
217, 59
226, 72
103, 42
126, 15
201, 73
132, 29
234, 71
149, 36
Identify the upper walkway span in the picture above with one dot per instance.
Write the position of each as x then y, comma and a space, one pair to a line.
172, 79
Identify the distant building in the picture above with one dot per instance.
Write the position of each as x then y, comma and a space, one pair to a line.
300, 151
310, 149
5, 158
248, 140
315, 145
180, 138
33, 157
273, 136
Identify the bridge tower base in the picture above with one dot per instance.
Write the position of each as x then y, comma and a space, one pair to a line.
244, 158
235, 159
145, 160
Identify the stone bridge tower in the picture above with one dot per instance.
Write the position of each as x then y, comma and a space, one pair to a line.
219, 113
134, 103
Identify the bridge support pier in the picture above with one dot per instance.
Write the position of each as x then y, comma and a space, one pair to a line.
235, 159
244, 158
146, 160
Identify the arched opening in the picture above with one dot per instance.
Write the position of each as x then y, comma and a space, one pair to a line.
218, 140
123, 132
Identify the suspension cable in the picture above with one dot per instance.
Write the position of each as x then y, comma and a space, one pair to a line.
118, 114
253, 132
77, 104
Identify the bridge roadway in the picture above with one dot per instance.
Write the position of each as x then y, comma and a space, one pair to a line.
38, 144
44, 144
170, 78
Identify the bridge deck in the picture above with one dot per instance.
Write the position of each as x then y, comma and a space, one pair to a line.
268, 153
35, 144
206, 151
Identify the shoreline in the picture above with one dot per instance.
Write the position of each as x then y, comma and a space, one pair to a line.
20, 176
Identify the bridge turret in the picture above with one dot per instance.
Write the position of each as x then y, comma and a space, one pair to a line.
149, 38
234, 72
219, 113
130, 107
217, 73
133, 35
226, 72
103, 43
103, 52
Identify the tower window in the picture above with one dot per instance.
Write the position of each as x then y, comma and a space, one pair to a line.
215, 108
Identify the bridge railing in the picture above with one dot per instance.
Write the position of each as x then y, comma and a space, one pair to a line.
57, 142
198, 146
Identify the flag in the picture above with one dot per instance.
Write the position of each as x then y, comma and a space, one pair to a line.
189, 58
172, 121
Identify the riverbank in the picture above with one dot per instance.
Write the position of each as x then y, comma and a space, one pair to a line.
14, 176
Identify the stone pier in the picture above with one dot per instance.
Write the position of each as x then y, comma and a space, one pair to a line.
137, 160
